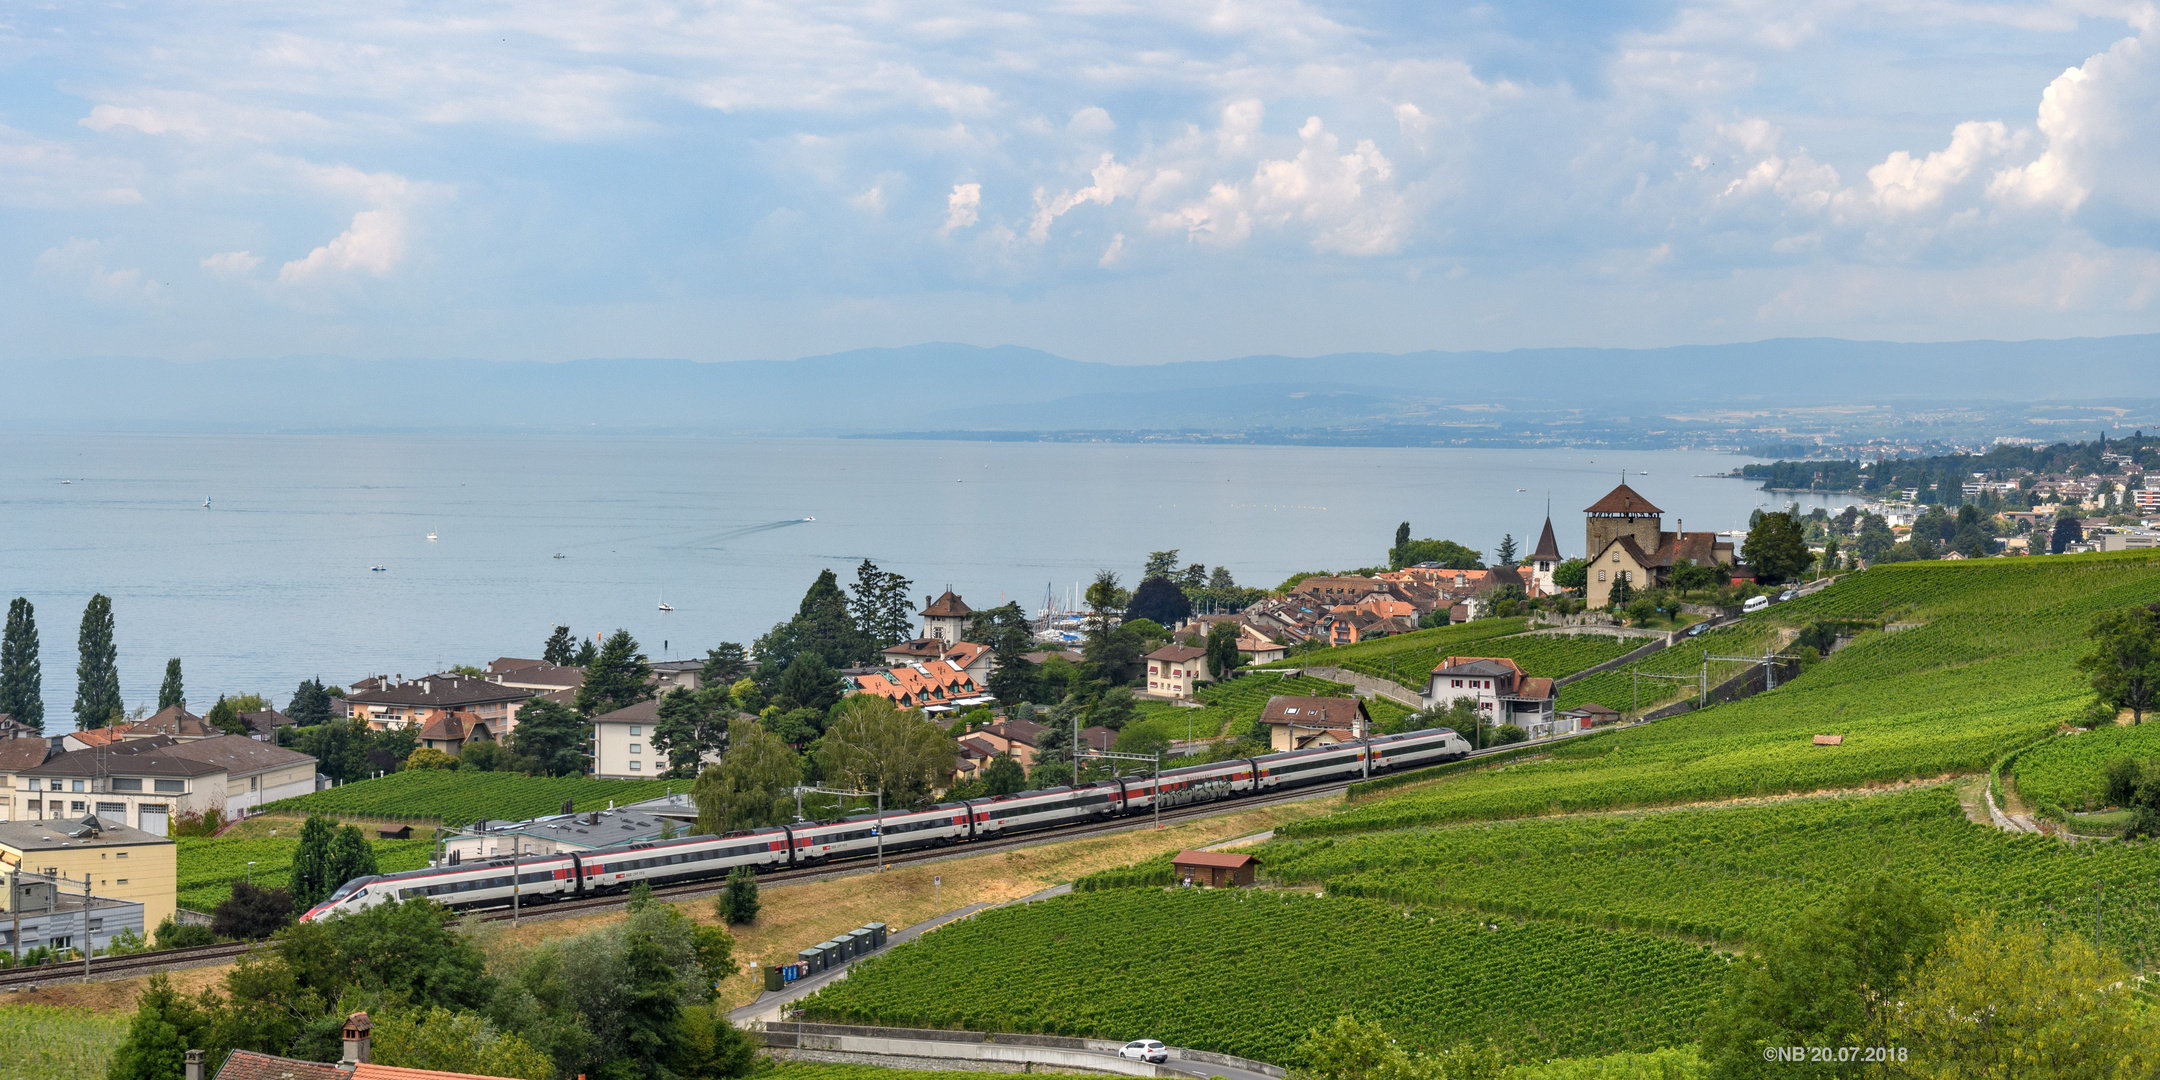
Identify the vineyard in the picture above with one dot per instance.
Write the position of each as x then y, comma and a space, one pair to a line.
1617, 689
1232, 706
1251, 973
1742, 872
2066, 771
457, 798
209, 865
47, 1042
1985, 667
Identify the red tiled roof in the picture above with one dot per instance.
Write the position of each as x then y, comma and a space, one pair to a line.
389, 1072
1309, 712
1177, 654
171, 720
1622, 500
99, 736
949, 606
249, 1065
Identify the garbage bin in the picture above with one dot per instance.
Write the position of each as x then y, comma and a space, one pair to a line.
773, 978
812, 960
877, 935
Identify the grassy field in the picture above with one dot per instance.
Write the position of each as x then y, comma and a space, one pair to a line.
456, 798
44, 1042
1231, 707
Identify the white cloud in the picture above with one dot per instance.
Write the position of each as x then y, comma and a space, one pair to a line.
1905, 184
1111, 180
1114, 253
2101, 124
1346, 198
871, 201
962, 207
231, 264
373, 243
80, 262
148, 121
1093, 120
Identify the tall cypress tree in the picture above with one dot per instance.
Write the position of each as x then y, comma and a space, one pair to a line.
97, 672
171, 693
22, 683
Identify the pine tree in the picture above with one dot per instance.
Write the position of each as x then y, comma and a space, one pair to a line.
1507, 550
97, 674
310, 704
171, 693
22, 683
559, 651
349, 857
651, 1018
739, 904
618, 677
311, 863
586, 654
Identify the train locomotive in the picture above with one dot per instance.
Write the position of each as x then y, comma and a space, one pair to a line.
539, 879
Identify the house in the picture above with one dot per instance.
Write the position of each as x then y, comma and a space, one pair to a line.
1263, 651
1295, 723
412, 703
1173, 671
172, 721
1097, 738
1504, 695
972, 658
1016, 737
545, 678
123, 864
147, 781
17, 755
938, 687
1542, 562
1213, 869
945, 617
449, 733
85, 738
558, 832
670, 674
40, 910
1333, 589
1591, 714
973, 755
251, 1065
263, 726
622, 744
1625, 535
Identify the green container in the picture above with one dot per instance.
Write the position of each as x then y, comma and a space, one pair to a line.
772, 977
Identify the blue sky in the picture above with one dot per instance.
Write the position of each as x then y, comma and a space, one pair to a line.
1119, 181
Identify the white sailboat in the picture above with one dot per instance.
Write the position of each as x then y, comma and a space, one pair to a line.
664, 605
431, 536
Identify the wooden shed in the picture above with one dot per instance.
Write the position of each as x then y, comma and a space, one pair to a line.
1213, 869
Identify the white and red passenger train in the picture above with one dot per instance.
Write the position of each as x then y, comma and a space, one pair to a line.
692, 858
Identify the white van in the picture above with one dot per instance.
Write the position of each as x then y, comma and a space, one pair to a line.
1755, 604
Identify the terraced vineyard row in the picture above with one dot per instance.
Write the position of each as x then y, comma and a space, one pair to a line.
209, 865
2067, 770
456, 798
1408, 659
1233, 706
1741, 872
1249, 974
1617, 689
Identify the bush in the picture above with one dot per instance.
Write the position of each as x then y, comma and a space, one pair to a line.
206, 823
252, 912
739, 904
172, 935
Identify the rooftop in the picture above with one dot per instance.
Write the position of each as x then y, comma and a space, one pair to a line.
948, 605
644, 712
52, 834
160, 755
441, 691
1228, 860
1623, 500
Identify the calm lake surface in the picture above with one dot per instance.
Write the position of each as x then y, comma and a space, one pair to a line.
271, 583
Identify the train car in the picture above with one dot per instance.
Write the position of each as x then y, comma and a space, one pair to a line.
1417, 748
859, 834
1045, 809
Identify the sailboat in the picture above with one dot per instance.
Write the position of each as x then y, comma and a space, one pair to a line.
378, 566
431, 535
664, 606
206, 502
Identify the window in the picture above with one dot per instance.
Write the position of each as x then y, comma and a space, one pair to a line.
637, 748
253, 782
75, 785
127, 783
120, 855
174, 787
122, 881
1601, 575
75, 807
637, 766
111, 808
636, 730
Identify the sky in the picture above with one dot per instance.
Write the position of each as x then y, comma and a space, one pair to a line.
1111, 181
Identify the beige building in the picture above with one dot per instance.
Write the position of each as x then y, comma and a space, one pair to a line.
1173, 671
622, 746
946, 617
1300, 723
1626, 537
122, 863
412, 703
146, 782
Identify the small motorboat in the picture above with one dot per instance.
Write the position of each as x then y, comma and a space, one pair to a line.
558, 554
378, 568
665, 606
431, 537
67, 481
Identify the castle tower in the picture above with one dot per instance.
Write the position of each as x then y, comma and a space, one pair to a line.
1622, 512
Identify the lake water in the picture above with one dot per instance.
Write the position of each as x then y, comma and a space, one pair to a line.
271, 583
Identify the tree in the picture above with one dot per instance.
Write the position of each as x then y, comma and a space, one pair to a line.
586, 654
1776, 547
252, 912
808, 684
427, 757
552, 739
725, 665
1622, 594
1828, 981
880, 606
752, 785
651, 1021
453, 1042
2124, 665
871, 744
1220, 581
1004, 629
1222, 650
1402, 540
822, 626
166, 1025
1160, 564
1506, 550
1688, 575
310, 879
2068, 531
340, 748
224, 715
619, 677
97, 672
691, 725
1013, 677
559, 649
22, 680
171, 693
1447, 553
2021, 1000
1159, 599
1572, 574
739, 904
310, 704
1003, 776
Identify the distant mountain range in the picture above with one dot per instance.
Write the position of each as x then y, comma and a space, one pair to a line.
1687, 395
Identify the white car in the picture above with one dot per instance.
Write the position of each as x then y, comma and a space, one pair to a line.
1145, 1050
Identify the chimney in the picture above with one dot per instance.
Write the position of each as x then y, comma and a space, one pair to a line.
194, 1065
356, 1040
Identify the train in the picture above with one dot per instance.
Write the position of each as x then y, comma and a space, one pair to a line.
540, 879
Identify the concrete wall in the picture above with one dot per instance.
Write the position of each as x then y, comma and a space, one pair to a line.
983, 1051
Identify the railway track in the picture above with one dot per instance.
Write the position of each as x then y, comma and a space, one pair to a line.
128, 967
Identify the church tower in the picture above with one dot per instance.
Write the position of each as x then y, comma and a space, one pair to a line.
1544, 561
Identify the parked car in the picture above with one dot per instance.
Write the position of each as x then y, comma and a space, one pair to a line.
1789, 594
1145, 1050
1698, 629
1755, 603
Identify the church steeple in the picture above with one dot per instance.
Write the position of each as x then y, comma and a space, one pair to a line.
1547, 554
